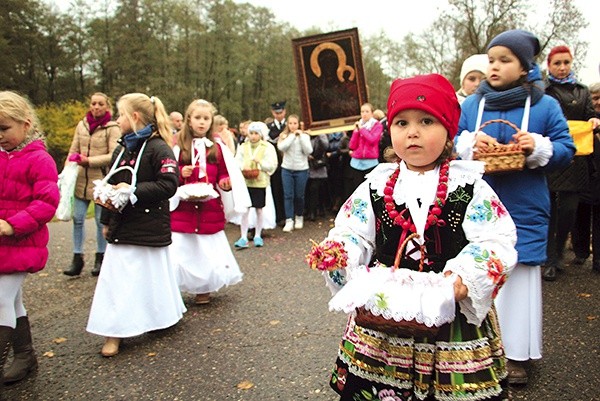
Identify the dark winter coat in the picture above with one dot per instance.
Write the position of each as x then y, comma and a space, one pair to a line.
148, 221
576, 104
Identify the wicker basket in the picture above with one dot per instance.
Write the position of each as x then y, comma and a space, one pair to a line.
501, 158
410, 328
250, 174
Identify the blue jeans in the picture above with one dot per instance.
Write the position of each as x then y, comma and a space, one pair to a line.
294, 185
80, 207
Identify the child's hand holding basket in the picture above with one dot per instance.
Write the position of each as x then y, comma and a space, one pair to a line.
501, 158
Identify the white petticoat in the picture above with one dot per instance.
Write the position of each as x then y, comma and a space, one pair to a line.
402, 294
136, 292
203, 262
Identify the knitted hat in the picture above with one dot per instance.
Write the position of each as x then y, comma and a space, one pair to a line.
431, 93
522, 43
476, 62
260, 127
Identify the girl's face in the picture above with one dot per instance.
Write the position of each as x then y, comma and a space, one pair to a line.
98, 106
12, 132
200, 120
254, 136
471, 81
418, 138
504, 69
560, 65
293, 124
366, 113
125, 123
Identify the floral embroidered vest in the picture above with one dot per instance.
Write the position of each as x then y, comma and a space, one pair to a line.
441, 243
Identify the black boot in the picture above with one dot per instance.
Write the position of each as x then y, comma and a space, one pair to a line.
24, 360
5, 336
76, 265
549, 273
97, 264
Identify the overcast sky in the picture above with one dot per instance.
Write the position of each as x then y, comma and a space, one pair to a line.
397, 18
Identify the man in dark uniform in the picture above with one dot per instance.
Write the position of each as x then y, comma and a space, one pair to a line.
275, 128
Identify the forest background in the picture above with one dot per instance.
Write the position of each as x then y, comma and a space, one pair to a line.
237, 55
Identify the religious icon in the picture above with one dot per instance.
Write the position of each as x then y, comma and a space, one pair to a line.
331, 80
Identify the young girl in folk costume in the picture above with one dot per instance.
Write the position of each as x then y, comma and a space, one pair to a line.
453, 224
513, 91
28, 200
257, 154
92, 147
201, 253
364, 145
296, 147
137, 288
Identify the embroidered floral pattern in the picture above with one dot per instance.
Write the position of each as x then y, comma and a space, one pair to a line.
356, 208
459, 195
494, 267
337, 277
381, 395
339, 377
489, 210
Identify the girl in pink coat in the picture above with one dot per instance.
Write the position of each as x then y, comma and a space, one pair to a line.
28, 200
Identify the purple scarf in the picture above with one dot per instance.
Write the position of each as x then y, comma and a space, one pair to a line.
97, 122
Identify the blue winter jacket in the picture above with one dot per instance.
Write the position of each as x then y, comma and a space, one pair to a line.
525, 193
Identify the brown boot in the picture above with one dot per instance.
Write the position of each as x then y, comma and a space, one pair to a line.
202, 299
516, 372
24, 360
5, 337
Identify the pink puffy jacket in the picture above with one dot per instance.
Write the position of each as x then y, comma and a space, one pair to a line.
28, 200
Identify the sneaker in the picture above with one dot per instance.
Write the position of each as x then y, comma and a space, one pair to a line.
241, 243
258, 242
299, 223
289, 226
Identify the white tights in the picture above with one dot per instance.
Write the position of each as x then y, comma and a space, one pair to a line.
244, 225
11, 298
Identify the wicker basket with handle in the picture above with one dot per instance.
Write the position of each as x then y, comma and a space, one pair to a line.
501, 158
410, 328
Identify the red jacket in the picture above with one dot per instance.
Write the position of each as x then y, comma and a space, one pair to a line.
28, 200
201, 217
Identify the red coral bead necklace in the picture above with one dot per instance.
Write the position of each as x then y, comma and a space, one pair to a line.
434, 211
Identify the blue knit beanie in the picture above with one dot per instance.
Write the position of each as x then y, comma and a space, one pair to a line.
522, 43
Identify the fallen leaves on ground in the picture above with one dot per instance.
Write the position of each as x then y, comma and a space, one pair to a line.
151, 354
245, 385
584, 295
49, 354
59, 340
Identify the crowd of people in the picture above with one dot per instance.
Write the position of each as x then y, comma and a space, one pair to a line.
402, 184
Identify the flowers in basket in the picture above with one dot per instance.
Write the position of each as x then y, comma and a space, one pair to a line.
329, 255
197, 192
110, 197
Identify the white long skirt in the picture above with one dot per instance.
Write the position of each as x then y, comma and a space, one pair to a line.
519, 307
136, 292
203, 262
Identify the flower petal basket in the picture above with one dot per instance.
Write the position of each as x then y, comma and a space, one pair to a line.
107, 196
398, 301
501, 158
251, 174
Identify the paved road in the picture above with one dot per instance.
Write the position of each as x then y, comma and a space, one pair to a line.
272, 332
